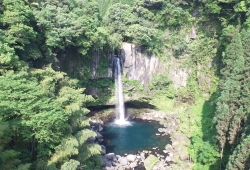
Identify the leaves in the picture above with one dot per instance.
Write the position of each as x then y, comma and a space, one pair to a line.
17, 17
7, 55
70, 165
46, 104
142, 35
72, 23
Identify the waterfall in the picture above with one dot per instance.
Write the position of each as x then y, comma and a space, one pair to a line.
120, 111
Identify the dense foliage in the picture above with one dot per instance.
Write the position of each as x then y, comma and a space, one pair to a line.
43, 122
42, 111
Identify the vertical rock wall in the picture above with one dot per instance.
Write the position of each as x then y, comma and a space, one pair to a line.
94, 64
177, 73
101, 64
138, 65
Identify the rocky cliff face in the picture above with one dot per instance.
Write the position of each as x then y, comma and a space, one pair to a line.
137, 64
177, 74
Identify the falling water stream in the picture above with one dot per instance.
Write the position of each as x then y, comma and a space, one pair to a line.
120, 111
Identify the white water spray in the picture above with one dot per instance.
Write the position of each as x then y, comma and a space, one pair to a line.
120, 111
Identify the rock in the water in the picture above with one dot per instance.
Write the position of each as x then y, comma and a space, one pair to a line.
150, 161
168, 146
165, 151
100, 140
110, 156
118, 156
142, 155
131, 158
100, 128
161, 130
103, 149
98, 135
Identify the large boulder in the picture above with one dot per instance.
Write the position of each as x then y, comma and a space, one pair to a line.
150, 161
142, 155
168, 147
183, 154
102, 160
108, 164
98, 135
184, 157
168, 159
110, 156
131, 158
123, 161
100, 128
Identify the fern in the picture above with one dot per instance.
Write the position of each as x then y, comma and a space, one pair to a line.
70, 165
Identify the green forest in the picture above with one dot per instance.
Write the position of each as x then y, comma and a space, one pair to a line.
46, 51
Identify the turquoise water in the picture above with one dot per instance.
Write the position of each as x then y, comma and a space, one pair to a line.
138, 136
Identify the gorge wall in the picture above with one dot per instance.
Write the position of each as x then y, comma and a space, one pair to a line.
138, 65
142, 66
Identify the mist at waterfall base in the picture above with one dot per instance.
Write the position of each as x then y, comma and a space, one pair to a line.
138, 136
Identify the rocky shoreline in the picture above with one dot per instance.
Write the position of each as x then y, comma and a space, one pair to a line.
173, 156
